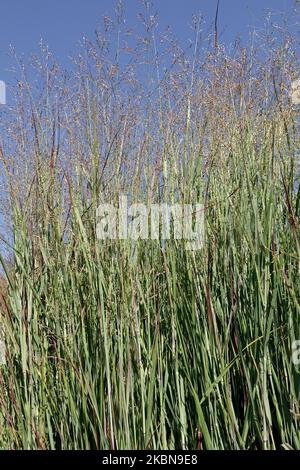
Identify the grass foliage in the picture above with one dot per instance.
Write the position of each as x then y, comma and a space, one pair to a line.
115, 346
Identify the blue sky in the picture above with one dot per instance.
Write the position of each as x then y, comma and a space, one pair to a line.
62, 23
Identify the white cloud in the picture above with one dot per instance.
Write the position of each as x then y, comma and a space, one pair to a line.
2, 93
295, 93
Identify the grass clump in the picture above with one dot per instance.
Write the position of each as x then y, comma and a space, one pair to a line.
110, 346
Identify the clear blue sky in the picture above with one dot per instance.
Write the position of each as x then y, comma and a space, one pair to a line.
62, 23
